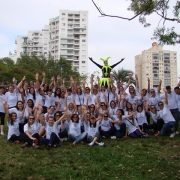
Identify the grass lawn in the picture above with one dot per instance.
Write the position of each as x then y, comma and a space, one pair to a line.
152, 158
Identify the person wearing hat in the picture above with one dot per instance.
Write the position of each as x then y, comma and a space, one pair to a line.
166, 115
172, 105
106, 69
92, 128
107, 129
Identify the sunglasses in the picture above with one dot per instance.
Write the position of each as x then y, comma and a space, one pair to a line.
31, 118
152, 91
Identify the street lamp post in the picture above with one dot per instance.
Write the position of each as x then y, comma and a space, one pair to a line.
61, 66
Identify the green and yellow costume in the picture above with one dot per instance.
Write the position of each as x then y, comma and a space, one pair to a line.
106, 70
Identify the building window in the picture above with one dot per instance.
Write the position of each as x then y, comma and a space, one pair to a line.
63, 24
83, 62
83, 40
63, 14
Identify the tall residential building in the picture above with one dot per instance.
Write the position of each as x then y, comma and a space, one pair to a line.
69, 38
36, 42
156, 64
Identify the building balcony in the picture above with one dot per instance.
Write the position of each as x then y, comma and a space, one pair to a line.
66, 47
24, 45
15, 42
67, 37
78, 32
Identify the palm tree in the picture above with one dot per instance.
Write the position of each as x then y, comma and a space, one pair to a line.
122, 75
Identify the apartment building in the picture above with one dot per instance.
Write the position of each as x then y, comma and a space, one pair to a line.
69, 38
156, 64
35, 42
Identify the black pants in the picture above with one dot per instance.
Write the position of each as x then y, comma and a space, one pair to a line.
156, 126
63, 133
14, 138
28, 140
143, 127
2, 116
175, 114
148, 118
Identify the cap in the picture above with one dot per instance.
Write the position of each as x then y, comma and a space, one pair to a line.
168, 87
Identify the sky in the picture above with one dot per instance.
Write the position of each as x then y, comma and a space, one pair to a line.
112, 37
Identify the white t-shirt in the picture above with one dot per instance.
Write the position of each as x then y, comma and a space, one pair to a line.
141, 118
112, 97
154, 116
166, 115
101, 96
172, 102
34, 128
178, 100
39, 98
49, 129
18, 112
112, 111
91, 130
116, 125
69, 99
75, 128
62, 104
2, 97
132, 99
13, 129
50, 100
154, 100
106, 124
79, 99
131, 127
11, 98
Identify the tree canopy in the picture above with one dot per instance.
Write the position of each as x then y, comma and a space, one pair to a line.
166, 10
122, 75
28, 65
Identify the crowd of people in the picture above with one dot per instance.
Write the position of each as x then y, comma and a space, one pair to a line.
38, 113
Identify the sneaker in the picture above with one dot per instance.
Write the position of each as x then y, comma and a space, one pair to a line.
35, 146
177, 132
16, 141
2, 133
145, 135
24, 145
91, 144
113, 137
101, 144
172, 135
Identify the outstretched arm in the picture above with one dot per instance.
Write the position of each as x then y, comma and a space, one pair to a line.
117, 63
95, 63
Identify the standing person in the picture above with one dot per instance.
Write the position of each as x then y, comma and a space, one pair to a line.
31, 136
165, 114
74, 133
172, 105
2, 110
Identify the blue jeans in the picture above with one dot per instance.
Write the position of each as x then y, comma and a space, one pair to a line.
175, 114
167, 128
121, 132
76, 139
54, 139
